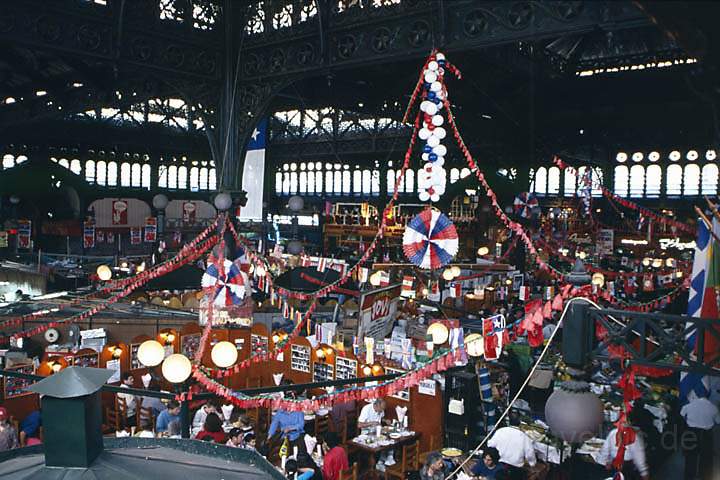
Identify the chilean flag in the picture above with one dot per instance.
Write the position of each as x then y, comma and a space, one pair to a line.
253, 177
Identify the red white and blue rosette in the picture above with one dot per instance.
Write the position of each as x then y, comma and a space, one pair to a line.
430, 240
224, 281
526, 205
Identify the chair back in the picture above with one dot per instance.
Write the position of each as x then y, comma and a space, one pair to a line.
349, 474
410, 456
145, 418
322, 424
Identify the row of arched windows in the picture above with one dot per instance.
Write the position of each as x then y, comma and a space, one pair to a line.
9, 160
547, 181
180, 177
690, 180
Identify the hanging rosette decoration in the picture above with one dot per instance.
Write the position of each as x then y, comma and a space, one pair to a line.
432, 178
526, 205
225, 282
430, 240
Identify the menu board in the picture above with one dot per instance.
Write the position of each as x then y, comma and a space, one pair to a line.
322, 372
134, 361
190, 344
300, 358
345, 368
402, 394
91, 360
258, 344
16, 387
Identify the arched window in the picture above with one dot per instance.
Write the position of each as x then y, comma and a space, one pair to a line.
278, 182
286, 183
357, 182
410, 181
146, 175
531, 176
125, 174
691, 180
597, 182
621, 180
194, 179
163, 176
311, 183
337, 182
375, 184
637, 181
465, 172
204, 179
8, 161
346, 183
293, 182
366, 182
172, 176
553, 181
64, 163
212, 179
570, 184
673, 181
318, 182
454, 175
90, 171
390, 181
541, 181
112, 174
76, 167
20, 159
101, 173
653, 181
303, 183
709, 179
182, 182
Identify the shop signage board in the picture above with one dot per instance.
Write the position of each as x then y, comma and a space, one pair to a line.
377, 312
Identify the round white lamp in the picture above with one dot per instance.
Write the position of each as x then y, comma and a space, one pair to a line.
104, 273
448, 274
296, 203
456, 271
160, 201
223, 201
475, 345
482, 251
151, 353
176, 368
439, 333
598, 279
224, 354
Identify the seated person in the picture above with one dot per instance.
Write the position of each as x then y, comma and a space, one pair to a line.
294, 472
127, 381
30, 429
335, 459
434, 468
515, 447
306, 463
212, 429
488, 467
174, 429
235, 438
202, 413
170, 414
243, 423
153, 403
372, 414
249, 441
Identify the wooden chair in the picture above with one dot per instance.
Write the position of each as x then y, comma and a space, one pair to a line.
350, 474
434, 444
322, 425
145, 418
342, 430
409, 463
116, 417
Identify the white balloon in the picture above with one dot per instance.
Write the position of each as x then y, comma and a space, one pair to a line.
438, 105
425, 157
430, 77
424, 133
439, 56
437, 120
433, 141
439, 132
430, 108
440, 150
440, 189
440, 161
424, 196
433, 65
436, 87
440, 94
424, 105
435, 197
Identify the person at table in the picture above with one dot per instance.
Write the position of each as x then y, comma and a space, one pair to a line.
335, 459
170, 414
153, 403
294, 472
434, 468
372, 414
515, 447
202, 413
212, 429
127, 381
30, 429
235, 438
488, 467
8, 436
249, 441
306, 463
635, 463
290, 425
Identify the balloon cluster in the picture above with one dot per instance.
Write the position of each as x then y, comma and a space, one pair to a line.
431, 179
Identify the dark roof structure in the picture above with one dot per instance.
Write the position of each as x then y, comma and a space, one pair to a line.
72, 382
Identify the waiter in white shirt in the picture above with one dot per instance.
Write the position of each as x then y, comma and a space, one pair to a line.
634, 455
130, 401
515, 447
700, 415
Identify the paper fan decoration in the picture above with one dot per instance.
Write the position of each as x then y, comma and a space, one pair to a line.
430, 240
226, 282
526, 205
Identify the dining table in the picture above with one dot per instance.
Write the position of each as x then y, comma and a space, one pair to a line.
372, 445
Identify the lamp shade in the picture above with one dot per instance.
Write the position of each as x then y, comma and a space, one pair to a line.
475, 345
151, 353
456, 271
657, 262
104, 273
224, 354
176, 368
482, 251
448, 274
439, 333
296, 203
598, 279
573, 412
375, 279
223, 201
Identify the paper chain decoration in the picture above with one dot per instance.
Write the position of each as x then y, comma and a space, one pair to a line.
430, 240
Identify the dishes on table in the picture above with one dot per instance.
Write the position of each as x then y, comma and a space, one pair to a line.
451, 452
395, 435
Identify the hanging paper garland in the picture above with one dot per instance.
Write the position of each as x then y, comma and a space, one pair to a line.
430, 240
226, 282
432, 178
526, 205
